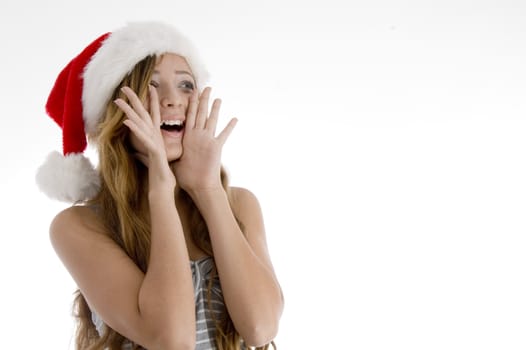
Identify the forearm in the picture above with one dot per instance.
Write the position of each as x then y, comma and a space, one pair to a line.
166, 296
251, 291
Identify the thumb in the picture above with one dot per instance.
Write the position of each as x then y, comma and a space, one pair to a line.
227, 131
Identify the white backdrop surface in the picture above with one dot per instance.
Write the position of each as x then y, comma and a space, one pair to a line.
384, 139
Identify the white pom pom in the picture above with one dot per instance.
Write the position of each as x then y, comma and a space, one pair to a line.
70, 178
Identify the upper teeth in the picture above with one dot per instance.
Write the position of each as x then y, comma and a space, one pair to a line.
172, 122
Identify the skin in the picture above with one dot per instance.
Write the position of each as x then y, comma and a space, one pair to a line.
156, 308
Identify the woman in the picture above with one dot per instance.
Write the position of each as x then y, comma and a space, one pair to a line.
165, 254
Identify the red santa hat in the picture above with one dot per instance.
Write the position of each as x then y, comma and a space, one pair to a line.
82, 91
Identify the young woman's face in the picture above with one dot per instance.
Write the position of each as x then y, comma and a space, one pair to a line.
175, 84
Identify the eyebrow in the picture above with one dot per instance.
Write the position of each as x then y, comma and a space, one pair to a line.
177, 72
183, 72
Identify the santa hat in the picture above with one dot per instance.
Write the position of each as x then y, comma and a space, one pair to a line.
78, 99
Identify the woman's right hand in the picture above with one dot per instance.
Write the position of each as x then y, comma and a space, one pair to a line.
146, 128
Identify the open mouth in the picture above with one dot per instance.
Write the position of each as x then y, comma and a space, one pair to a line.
172, 125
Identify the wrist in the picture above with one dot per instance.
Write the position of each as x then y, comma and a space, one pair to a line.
207, 196
161, 177
159, 192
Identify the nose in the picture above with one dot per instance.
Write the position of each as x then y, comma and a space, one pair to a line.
171, 98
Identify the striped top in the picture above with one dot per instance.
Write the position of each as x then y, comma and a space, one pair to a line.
204, 315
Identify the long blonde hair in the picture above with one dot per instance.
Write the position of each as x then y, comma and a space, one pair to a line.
123, 208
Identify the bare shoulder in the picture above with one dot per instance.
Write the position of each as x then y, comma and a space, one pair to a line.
72, 221
75, 215
77, 234
108, 279
243, 199
246, 207
247, 210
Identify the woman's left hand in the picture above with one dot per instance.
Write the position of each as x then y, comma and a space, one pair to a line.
199, 167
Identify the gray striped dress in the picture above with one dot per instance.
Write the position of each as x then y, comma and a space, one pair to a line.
205, 326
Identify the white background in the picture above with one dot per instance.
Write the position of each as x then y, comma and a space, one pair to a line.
385, 140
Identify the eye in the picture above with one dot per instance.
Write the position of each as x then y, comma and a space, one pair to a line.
154, 84
187, 85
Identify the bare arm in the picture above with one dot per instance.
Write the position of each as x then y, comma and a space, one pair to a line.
250, 288
155, 309
251, 291
167, 293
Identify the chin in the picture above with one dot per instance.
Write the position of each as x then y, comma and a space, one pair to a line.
174, 154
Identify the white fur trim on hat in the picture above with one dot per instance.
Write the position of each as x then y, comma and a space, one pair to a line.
120, 52
69, 178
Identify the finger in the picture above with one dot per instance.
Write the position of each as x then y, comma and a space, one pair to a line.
211, 123
144, 137
154, 106
129, 111
223, 136
136, 103
192, 110
133, 117
202, 111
